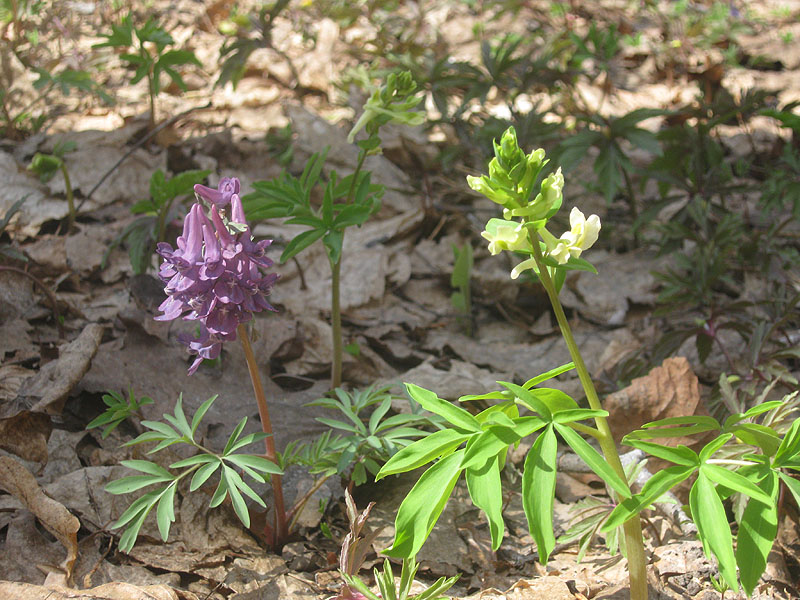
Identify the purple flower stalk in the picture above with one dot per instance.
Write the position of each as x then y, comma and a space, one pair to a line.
214, 276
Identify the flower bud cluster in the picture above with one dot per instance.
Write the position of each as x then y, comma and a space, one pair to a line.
392, 102
214, 276
510, 183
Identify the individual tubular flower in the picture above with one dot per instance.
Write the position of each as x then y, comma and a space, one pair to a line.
582, 235
506, 235
214, 276
226, 189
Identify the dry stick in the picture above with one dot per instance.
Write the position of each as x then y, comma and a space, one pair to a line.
138, 145
280, 531
47, 291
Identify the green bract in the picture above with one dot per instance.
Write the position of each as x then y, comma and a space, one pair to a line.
512, 173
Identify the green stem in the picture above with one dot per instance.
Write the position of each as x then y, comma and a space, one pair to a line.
70, 198
336, 324
634, 542
336, 312
280, 531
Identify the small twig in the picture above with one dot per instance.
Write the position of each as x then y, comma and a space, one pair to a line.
48, 292
138, 145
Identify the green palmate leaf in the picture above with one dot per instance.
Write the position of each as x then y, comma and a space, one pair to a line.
423, 451
165, 513
708, 514
128, 538
538, 491
758, 529
422, 506
486, 492
736, 482
656, 486
162, 428
140, 506
680, 455
333, 241
594, 459
238, 482
431, 402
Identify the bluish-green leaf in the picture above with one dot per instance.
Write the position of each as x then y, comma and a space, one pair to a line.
300, 242
790, 445
165, 513
203, 473
264, 465
145, 466
201, 412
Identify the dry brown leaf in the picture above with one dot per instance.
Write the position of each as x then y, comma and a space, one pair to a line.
19, 482
26, 434
108, 591
671, 390
47, 390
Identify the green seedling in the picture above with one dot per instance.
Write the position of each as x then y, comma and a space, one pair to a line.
47, 165
146, 50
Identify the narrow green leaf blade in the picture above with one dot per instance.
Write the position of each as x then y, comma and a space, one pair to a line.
758, 529
486, 492
423, 505
713, 528
538, 491
594, 459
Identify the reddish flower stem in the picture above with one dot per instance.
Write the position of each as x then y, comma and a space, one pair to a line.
280, 531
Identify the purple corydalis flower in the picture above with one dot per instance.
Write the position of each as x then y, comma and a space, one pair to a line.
214, 276
227, 187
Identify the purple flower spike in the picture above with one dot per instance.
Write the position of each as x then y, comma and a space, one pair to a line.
214, 276
227, 188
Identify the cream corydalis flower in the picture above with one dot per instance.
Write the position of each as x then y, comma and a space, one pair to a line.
507, 237
582, 235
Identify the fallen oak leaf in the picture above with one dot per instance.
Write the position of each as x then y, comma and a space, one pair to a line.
20, 483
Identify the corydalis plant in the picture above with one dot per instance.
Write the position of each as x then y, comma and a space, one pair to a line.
214, 276
511, 183
346, 201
